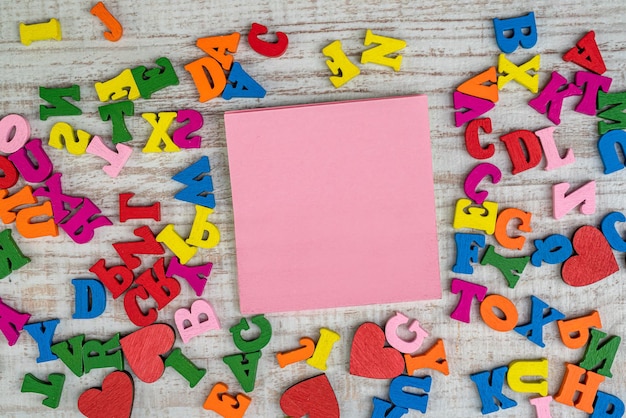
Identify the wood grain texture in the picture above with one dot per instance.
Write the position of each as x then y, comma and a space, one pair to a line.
113, 399
447, 43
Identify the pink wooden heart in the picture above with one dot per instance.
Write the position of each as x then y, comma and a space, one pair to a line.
594, 259
312, 397
114, 400
370, 358
143, 348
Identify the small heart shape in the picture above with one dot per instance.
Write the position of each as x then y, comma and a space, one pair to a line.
143, 348
312, 397
370, 358
594, 260
113, 400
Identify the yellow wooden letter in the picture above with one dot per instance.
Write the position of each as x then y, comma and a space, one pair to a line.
510, 71
519, 372
76, 143
380, 54
40, 31
159, 134
176, 244
202, 227
468, 216
322, 349
121, 86
342, 68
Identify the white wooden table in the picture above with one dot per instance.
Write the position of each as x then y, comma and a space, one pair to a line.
448, 42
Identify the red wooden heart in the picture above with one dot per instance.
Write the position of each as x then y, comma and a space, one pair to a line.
114, 400
594, 260
312, 397
370, 358
143, 348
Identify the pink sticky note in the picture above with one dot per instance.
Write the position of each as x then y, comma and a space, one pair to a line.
333, 204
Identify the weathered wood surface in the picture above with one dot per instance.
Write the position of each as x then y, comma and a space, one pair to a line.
448, 42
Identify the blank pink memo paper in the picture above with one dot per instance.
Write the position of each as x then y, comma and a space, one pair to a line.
333, 204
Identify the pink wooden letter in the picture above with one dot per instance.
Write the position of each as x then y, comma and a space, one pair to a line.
553, 159
542, 406
585, 196
116, 159
400, 344
19, 127
193, 316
